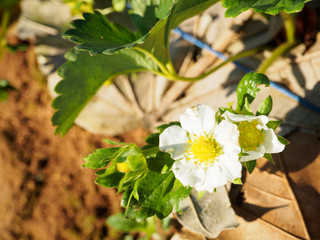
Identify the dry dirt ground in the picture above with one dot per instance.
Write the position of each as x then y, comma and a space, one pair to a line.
44, 191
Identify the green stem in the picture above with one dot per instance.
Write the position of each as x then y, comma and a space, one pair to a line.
289, 26
4, 25
283, 48
231, 59
280, 50
156, 60
150, 151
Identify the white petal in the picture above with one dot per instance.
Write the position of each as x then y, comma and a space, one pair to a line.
174, 140
215, 177
238, 118
253, 155
271, 142
199, 119
231, 167
188, 173
227, 134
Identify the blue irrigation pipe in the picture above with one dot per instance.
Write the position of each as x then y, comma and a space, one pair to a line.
220, 55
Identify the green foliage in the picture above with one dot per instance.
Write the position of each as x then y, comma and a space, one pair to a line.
149, 184
148, 226
98, 35
5, 87
8, 4
101, 157
147, 50
235, 7
157, 196
248, 88
120, 223
83, 75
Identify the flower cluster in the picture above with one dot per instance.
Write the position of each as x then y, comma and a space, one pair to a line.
208, 152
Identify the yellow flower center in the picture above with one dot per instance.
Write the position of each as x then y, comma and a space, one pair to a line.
250, 136
205, 149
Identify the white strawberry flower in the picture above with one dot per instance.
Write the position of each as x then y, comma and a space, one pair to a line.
255, 138
206, 152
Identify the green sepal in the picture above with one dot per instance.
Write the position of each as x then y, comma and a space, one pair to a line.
269, 157
242, 154
246, 110
200, 194
274, 124
250, 165
248, 88
265, 107
283, 140
237, 181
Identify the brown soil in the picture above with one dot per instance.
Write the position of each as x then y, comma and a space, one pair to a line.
45, 193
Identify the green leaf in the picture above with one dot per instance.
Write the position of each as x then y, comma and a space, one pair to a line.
154, 196
250, 165
110, 178
178, 193
237, 181
120, 223
274, 124
248, 88
98, 35
136, 161
235, 7
146, 13
153, 139
101, 157
83, 75
283, 140
265, 107
130, 180
8, 4
269, 157
160, 162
